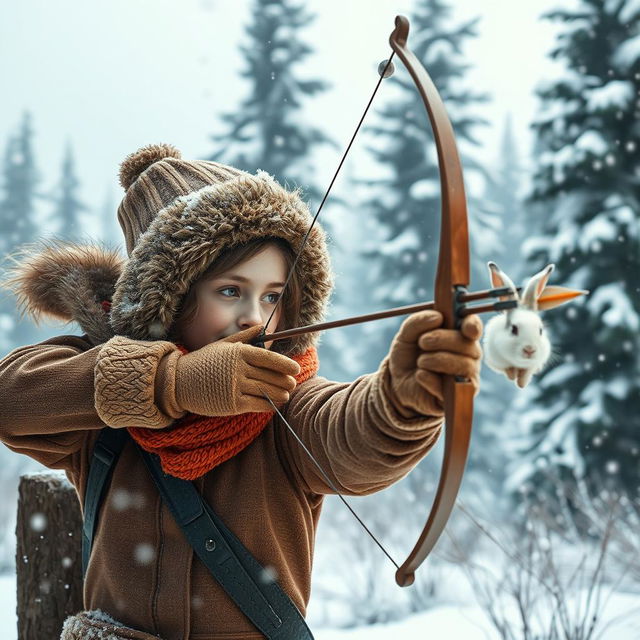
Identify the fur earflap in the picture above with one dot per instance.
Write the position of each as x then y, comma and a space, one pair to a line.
65, 281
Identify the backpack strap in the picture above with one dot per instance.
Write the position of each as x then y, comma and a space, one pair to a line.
246, 582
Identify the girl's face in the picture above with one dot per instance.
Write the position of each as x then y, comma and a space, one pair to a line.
237, 299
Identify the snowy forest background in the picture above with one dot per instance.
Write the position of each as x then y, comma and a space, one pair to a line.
549, 513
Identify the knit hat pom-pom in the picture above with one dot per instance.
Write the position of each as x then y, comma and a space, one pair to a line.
138, 161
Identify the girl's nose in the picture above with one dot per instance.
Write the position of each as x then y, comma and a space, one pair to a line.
250, 315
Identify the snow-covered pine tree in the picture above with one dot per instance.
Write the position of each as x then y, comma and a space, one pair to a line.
505, 193
19, 180
18, 224
266, 131
405, 203
582, 415
67, 205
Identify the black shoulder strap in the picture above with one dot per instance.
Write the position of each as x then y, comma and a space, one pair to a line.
248, 584
106, 451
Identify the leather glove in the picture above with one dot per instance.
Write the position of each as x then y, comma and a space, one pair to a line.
227, 377
421, 353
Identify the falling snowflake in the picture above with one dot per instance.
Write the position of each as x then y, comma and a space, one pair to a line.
156, 329
38, 522
144, 553
545, 544
121, 499
612, 466
268, 575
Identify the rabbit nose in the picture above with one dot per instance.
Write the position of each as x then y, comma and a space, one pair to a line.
529, 350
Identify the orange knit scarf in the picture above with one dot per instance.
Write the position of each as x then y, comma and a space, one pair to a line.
193, 445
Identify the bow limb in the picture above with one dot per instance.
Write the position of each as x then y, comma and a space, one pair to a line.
452, 278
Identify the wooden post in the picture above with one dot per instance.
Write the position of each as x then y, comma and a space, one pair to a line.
48, 555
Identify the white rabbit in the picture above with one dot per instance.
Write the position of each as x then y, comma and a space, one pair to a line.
515, 341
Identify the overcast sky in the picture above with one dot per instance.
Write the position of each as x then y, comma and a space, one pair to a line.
113, 76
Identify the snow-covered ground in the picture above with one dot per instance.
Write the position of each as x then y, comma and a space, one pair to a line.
448, 622
8, 628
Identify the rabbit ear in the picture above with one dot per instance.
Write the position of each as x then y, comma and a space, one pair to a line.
535, 287
501, 279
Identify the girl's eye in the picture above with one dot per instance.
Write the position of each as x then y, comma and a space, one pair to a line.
274, 297
232, 292
514, 329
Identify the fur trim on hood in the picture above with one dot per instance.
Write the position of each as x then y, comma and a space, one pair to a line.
68, 281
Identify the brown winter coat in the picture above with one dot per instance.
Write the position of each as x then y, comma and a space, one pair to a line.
142, 570
55, 397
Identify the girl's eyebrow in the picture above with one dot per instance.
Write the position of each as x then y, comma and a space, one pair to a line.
233, 276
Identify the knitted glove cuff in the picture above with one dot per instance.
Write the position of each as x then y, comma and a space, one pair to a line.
124, 378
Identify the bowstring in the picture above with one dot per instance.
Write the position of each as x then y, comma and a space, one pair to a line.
326, 195
382, 75
328, 480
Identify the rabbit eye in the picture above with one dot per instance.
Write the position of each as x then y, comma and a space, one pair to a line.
540, 330
514, 329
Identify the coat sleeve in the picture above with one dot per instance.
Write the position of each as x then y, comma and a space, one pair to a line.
362, 440
49, 399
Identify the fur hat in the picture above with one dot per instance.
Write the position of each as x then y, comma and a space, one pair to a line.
177, 217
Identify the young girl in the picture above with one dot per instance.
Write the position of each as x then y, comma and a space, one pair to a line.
165, 355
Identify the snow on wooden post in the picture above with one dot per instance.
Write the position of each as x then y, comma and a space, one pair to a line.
48, 555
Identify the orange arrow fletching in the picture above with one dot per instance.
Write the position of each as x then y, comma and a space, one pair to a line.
553, 296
